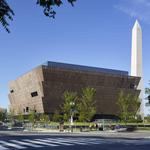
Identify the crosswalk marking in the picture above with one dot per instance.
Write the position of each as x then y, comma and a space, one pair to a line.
70, 142
74, 141
12, 145
3, 148
81, 141
84, 141
25, 143
38, 141
59, 142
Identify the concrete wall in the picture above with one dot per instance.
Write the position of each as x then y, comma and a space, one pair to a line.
21, 89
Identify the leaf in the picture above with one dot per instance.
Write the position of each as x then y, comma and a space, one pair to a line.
5, 12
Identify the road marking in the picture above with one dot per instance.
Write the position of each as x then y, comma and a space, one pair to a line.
12, 145
86, 140
58, 142
25, 143
74, 141
81, 141
39, 144
39, 141
3, 148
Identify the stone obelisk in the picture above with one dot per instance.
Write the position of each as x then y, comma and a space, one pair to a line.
136, 61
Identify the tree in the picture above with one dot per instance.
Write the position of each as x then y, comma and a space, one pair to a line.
32, 117
69, 106
147, 118
11, 115
82, 107
86, 105
44, 118
47, 5
2, 116
147, 90
57, 116
20, 117
128, 105
123, 103
5, 12
134, 105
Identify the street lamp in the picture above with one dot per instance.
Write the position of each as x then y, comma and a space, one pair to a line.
72, 110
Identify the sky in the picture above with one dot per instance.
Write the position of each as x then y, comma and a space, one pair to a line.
93, 33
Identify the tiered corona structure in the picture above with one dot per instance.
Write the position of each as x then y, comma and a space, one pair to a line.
42, 88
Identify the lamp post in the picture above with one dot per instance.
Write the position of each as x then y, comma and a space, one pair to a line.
72, 104
71, 119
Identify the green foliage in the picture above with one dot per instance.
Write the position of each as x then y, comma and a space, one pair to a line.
5, 12
32, 117
47, 5
20, 117
147, 90
69, 106
2, 116
123, 103
134, 105
44, 118
82, 107
57, 117
10, 116
86, 105
136, 119
147, 119
128, 105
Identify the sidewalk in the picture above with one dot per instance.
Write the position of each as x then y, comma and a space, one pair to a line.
96, 134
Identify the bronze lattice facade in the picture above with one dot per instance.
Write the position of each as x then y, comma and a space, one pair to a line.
42, 88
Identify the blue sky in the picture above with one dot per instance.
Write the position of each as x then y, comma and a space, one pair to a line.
94, 33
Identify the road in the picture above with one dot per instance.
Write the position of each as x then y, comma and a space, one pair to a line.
57, 142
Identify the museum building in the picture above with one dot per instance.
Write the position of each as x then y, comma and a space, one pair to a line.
42, 88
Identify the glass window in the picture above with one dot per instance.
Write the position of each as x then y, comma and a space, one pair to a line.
11, 91
33, 94
27, 109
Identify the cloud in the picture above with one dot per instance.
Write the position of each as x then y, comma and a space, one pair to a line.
139, 9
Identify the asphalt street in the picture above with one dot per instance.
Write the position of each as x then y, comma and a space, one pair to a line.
57, 142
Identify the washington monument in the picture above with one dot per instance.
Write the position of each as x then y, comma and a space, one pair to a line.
136, 61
